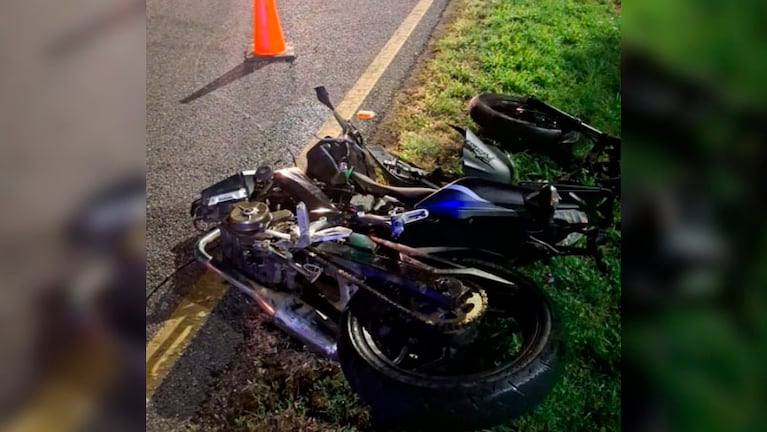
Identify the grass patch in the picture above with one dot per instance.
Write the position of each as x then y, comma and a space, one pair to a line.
568, 54
565, 52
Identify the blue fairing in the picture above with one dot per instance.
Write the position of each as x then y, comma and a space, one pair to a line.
456, 201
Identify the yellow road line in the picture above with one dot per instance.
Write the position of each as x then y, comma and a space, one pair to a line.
168, 343
370, 77
171, 339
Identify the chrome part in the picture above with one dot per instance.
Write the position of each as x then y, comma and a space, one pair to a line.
398, 221
288, 312
249, 217
318, 224
312, 272
331, 234
266, 304
384, 202
278, 235
228, 196
363, 203
281, 216
302, 217
414, 215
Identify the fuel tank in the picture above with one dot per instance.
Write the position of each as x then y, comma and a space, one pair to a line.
475, 197
472, 213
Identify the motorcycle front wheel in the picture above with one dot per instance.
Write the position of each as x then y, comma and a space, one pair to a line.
491, 381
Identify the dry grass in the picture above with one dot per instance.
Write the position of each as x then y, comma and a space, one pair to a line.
273, 384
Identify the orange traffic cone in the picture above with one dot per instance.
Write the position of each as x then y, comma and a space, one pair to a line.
267, 32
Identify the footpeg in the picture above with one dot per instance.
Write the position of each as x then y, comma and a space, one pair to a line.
398, 221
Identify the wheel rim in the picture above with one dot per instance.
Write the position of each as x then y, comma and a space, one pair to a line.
509, 335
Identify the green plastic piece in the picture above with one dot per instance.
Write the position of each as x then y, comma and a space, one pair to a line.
361, 241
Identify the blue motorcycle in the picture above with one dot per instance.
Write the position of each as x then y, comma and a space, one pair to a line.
411, 288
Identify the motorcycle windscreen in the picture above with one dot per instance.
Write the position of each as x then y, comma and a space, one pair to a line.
301, 188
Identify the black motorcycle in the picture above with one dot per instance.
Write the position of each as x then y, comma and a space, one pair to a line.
484, 213
409, 288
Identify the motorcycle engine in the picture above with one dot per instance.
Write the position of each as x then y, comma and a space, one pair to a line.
245, 244
371, 204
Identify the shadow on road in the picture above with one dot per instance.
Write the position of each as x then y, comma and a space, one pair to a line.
245, 68
177, 285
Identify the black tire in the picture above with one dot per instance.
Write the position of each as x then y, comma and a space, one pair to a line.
403, 400
508, 120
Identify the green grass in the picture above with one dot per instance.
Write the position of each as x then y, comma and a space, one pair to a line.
566, 53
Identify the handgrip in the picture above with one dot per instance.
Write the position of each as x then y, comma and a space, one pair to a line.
323, 96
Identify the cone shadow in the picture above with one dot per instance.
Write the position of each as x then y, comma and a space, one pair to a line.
247, 67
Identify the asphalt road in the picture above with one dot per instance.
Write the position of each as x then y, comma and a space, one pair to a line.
236, 118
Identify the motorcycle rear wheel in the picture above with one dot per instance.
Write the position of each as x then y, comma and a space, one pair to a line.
509, 120
402, 399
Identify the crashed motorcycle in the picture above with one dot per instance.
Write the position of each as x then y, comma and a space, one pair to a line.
539, 220
410, 289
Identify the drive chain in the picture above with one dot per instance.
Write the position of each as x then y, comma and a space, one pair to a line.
443, 324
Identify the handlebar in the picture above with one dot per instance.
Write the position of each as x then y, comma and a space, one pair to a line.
347, 128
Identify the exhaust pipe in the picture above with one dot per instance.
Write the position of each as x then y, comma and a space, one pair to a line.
287, 311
